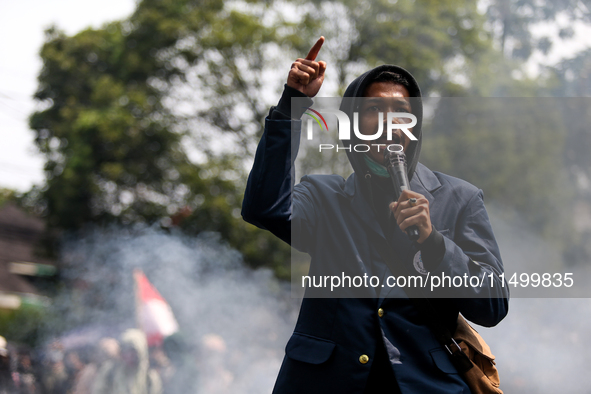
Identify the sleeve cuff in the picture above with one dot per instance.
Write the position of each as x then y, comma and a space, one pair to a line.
283, 108
432, 250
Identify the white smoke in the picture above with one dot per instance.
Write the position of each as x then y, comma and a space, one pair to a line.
541, 345
240, 319
237, 319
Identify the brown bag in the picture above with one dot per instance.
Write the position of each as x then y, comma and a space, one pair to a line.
472, 356
483, 377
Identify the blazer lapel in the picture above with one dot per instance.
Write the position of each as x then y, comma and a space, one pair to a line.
425, 182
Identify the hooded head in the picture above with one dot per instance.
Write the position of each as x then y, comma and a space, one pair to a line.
134, 349
133, 377
358, 88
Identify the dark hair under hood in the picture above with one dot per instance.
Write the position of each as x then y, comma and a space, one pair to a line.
357, 88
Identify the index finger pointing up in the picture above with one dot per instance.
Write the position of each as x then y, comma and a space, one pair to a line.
315, 49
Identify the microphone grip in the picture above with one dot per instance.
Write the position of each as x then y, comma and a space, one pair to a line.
396, 166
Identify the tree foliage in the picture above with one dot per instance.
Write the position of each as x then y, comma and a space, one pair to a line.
6, 195
113, 147
512, 22
155, 118
109, 142
512, 149
437, 40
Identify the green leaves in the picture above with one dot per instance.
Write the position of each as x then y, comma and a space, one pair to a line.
125, 105
113, 143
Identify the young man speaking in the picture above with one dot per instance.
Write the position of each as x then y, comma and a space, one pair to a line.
381, 343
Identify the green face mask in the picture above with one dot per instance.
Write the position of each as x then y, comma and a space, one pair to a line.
376, 168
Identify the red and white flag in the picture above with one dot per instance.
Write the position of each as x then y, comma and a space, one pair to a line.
154, 314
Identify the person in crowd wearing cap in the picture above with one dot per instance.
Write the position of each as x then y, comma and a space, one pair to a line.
380, 342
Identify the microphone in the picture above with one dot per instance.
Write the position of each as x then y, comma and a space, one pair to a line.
396, 166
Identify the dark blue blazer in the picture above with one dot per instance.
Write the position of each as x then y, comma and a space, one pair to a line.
329, 218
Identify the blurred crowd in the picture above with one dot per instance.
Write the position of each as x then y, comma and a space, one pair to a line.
112, 366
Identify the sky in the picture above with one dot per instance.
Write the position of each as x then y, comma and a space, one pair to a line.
22, 24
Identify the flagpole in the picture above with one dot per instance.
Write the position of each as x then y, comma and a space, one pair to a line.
136, 274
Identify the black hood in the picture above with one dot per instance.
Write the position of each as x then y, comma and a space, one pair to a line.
356, 89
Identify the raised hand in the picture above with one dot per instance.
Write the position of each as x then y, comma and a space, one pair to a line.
307, 75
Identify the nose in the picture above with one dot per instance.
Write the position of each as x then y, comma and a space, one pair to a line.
396, 133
